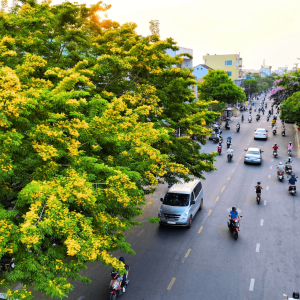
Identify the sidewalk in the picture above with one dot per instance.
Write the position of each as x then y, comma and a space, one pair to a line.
297, 138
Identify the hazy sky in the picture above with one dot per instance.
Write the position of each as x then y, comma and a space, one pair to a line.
258, 29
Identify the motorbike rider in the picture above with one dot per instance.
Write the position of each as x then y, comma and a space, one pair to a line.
242, 118
238, 125
258, 189
250, 117
273, 122
125, 276
269, 111
292, 180
234, 214
275, 147
268, 117
230, 151
280, 168
229, 139
290, 146
275, 128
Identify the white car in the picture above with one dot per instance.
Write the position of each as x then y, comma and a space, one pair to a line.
261, 133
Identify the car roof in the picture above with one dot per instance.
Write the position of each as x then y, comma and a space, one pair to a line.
183, 187
253, 149
261, 129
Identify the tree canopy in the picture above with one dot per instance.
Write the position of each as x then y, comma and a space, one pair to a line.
89, 109
218, 86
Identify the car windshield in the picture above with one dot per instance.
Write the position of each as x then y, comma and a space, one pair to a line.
260, 131
253, 152
174, 199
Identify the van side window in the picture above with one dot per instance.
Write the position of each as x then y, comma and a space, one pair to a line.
197, 189
192, 197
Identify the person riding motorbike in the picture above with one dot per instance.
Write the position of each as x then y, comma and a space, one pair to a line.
123, 279
275, 129
275, 148
250, 118
273, 122
269, 111
290, 146
258, 188
280, 168
230, 151
234, 214
242, 118
292, 180
238, 126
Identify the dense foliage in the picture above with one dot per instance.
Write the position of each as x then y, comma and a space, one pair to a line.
218, 86
88, 115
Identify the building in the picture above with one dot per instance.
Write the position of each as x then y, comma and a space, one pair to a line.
231, 63
199, 72
265, 70
187, 62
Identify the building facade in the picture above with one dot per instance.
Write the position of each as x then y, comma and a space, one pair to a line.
187, 62
199, 72
230, 63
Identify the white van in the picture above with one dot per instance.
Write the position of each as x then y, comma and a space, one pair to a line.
181, 203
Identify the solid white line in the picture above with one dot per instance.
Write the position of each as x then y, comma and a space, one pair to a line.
271, 167
251, 284
257, 247
269, 176
141, 232
261, 222
265, 202
267, 188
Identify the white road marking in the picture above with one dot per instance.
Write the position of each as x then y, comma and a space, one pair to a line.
272, 159
80, 298
265, 202
267, 188
257, 247
251, 284
261, 222
269, 176
271, 167
141, 232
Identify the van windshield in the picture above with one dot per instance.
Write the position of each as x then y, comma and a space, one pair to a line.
175, 199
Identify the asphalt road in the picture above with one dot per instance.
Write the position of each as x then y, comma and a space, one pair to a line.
205, 262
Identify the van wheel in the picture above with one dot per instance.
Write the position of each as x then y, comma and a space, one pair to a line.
201, 205
190, 222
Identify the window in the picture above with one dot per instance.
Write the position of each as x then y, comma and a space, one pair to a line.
228, 62
193, 197
229, 73
197, 189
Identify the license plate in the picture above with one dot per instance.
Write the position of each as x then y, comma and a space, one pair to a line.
171, 222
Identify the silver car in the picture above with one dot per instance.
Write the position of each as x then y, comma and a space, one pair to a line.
261, 133
181, 203
253, 156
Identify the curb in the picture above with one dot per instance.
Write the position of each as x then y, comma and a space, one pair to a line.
296, 133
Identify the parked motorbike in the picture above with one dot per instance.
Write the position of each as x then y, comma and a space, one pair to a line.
115, 284
280, 175
234, 226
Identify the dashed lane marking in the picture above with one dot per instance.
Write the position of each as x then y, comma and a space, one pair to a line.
267, 188
265, 202
149, 203
257, 247
209, 212
187, 253
251, 284
217, 199
223, 188
141, 232
233, 170
171, 283
228, 178
262, 222
272, 159
201, 228
237, 164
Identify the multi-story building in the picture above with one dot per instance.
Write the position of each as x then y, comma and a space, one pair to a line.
231, 63
199, 72
187, 62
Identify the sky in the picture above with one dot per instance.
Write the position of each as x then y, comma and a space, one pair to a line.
257, 29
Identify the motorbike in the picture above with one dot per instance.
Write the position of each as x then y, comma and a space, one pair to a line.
257, 118
274, 132
227, 127
115, 284
290, 152
234, 226
238, 128
280, 175
249, 120
228, 143
219, 149
283, 132
275, 153
7, 264
292, 189
229, 157
268, 118
288, 169
258, 197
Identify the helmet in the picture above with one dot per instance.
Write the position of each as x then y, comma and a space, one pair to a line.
275, 144
289, 158
296, 295
258, 182
290, 143
293, 175
280, 163
233, 208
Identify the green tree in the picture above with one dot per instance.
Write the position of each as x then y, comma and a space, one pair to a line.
251, 86
88, 114
218, 86
290, 108
154, 27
